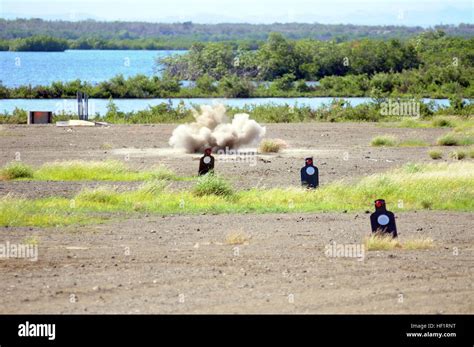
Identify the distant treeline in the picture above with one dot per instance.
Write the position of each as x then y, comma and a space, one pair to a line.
335, 111
113, 35
436, 83
429, 65
41, 43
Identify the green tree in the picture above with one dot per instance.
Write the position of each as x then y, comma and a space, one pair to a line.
234, 87
206, 83
284, 83
277, 57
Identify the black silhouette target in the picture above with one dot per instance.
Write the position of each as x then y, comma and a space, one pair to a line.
309, 174
206, 163
382, 220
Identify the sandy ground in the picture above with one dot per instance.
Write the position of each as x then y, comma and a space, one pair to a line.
182, 263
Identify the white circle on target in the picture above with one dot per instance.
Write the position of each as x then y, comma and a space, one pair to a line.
206, 160
310, 170
383, 219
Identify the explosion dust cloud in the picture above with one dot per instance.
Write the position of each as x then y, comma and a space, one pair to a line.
212, 128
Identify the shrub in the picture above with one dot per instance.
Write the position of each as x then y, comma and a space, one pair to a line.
18, 116
455, 140
448, 140
426, 204
458, 155
435, 154
272, 146
206, 83
16, 170
384, 140
284, 83
212, 185
442, 123
234, 87
302, 87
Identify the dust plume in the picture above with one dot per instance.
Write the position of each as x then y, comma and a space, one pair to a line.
212, 128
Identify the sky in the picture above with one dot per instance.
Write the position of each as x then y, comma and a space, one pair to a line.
369, 12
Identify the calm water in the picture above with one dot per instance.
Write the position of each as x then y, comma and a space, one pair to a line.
42, 68
127, 105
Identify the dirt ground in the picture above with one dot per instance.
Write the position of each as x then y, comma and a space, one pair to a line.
340, 151
183, 264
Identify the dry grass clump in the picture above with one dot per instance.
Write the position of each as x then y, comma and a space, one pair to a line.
380, 242
272, 145
237, 238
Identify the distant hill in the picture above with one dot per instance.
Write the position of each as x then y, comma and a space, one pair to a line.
22, 28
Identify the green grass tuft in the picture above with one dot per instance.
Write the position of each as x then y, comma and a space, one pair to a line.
83, 170
435, 186
452, 139
411, 123
384, 140
153, 187
100, 195
442, 123
458, 155
460, 124
212, 185
435, 154
162, 173
110, 170
51, 212
448, 140
16, 170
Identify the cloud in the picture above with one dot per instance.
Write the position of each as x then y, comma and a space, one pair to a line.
212, 128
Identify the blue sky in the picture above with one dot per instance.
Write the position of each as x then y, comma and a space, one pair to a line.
370, 12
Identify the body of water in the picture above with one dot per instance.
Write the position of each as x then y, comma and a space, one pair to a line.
127, 105
43, 68
93, 66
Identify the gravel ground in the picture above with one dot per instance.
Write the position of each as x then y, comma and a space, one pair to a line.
184, 264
